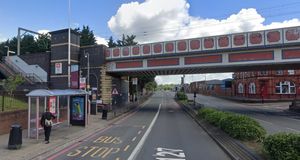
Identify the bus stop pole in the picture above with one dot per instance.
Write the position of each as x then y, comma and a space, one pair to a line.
37, 117
28, 121
68, 110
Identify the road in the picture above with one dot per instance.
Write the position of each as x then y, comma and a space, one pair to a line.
272, 116
158, 130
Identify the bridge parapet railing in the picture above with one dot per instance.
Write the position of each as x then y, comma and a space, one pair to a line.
235, 41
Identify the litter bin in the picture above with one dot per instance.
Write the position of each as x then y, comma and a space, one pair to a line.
104, 114
15, 137
93, 108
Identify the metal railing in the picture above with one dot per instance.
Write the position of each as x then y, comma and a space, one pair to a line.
31, 77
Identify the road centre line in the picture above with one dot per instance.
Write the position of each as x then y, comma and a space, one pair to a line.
139, 146
139, 132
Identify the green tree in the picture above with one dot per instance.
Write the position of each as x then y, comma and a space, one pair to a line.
43, 42
111, 42
151, 86
28, 44
11, 83
125, 41
87, 36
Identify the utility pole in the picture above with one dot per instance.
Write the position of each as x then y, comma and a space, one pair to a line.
69, 46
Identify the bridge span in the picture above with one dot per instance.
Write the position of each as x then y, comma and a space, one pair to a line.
257, 50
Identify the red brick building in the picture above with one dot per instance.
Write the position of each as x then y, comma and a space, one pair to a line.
278, 84
212, 87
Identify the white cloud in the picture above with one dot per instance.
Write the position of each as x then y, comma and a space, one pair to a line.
43, 31
157, 20
100, 40
2, 38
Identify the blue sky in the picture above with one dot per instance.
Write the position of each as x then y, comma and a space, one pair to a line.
52, 14
151, 20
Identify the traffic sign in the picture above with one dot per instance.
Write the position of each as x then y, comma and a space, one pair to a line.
115, 91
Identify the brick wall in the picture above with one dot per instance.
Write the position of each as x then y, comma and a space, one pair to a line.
8, 118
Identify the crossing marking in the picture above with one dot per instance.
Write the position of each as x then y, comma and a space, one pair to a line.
133, 139
126, 148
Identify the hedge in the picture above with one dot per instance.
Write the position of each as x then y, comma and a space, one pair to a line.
283, 146
237, 126
181, 96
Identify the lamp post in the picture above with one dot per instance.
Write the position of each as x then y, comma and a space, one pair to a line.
8, 51
87, 55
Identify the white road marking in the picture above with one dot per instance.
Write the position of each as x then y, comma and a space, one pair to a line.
133, 139
263, 121
295, 130
139, 146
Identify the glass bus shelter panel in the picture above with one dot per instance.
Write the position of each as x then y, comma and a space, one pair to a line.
33, 117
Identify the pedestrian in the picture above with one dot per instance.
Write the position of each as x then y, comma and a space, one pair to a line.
46, 122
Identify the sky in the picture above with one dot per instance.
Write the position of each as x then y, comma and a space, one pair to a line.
150, 20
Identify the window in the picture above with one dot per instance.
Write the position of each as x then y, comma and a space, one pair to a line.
263, 73
279, 72
291, 72
285, 87
241, 88
252, 89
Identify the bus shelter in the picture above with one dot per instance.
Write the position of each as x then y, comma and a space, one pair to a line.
73, 109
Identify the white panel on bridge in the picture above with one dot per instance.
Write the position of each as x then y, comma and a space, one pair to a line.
209, 43
169, 47
126, 51
116, 52
195, 45
223, 42
182, 46
291, 35
273, 37
256, 38
157, 48
239, 40
136, 50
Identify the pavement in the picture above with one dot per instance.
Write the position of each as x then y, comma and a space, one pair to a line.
61, 136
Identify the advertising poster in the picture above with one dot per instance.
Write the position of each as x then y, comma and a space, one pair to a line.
52, 105
77, 109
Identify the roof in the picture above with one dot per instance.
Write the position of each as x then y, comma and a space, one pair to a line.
214, 82
56, 92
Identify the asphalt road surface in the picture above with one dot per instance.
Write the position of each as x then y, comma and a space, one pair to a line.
159, 130
272, 116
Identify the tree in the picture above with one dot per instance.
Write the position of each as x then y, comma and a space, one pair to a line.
125, 41
43, 42
28, 44
111, 42
87, 36
151, 86
11, 83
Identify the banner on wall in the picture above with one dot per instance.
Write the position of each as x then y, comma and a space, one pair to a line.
74, 77
52, 105
77, 110
82, 83
58, 68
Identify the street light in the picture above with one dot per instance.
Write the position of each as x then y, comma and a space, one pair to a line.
8, 51
87, 55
